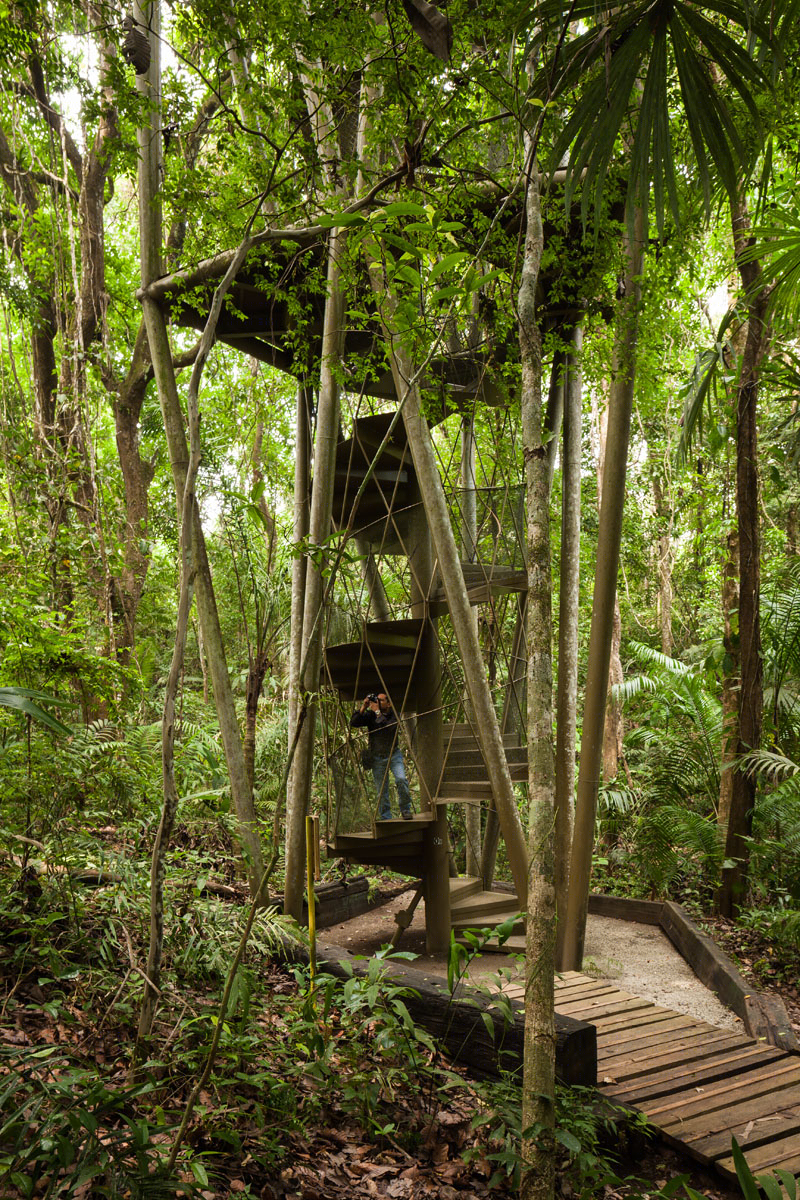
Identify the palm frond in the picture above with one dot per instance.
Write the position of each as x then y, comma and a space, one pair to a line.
624, 64
630, 688
653, 657
698, 390
30, 704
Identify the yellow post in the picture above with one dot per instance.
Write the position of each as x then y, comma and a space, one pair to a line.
317, 863
312, 913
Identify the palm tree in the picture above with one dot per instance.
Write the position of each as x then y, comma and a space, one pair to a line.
619, 78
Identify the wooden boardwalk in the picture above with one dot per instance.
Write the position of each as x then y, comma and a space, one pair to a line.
698, 1085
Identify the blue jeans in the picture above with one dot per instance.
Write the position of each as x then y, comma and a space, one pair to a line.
380, 773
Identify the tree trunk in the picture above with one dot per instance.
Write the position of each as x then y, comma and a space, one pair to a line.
734, 879
538, 1084
469, 553
137, 474
569, 597
731, 681
376, 599
313, 615
302, 482
664, 519
555, 407
613, 726
149, 139
605, 590
430, 484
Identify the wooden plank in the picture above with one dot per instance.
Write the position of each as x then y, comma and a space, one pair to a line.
582, 982
624, 1028
587, 1010
622, 1034
766, 1117
580, 991
680, 1047
659, 1047
697, 1071
643, 912
784, 1153
753, 1083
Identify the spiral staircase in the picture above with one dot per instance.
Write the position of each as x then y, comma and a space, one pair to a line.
375, 499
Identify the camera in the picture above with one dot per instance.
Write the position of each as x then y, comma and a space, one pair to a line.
373, 697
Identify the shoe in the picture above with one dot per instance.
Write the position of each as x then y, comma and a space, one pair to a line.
407, 816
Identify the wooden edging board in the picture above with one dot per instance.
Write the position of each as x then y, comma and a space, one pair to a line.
764, 1017
470, 1025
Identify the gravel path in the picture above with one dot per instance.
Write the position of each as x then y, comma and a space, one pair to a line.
637, 958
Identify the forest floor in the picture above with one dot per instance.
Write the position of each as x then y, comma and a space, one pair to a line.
302, 1104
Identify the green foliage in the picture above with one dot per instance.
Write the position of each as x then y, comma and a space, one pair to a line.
31, 703
777, 1185
85, 1132
634, 63
674, 756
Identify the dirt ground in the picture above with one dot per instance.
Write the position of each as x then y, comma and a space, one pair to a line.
637, 958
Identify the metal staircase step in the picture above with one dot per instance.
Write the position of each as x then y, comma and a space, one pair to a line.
483, 908
381, 515
455, 773
383, 660
463, 736
457, 791
472, 757
463, 886
482, 581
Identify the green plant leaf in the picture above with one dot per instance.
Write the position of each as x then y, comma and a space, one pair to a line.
747, 1180
24, 700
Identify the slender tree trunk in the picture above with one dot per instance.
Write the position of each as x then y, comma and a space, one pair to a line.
605, 590
664, 519
376, 598
731, 681
137, 473
555, 407
469, 553
538, 1084
302, 485
751, 698
430, 484
569, 596
313, 616
149, 139
613, 727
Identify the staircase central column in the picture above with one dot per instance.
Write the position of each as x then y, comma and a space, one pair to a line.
429, 750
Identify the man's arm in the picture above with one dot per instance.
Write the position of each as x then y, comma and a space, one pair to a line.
362, 717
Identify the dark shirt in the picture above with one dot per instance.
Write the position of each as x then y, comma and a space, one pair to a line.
382, 727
